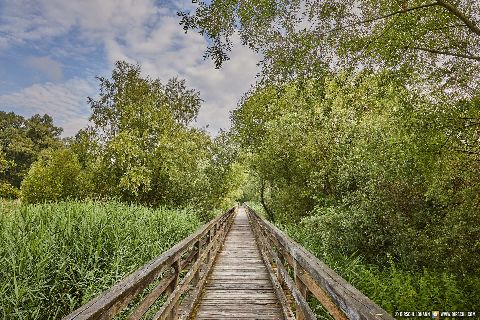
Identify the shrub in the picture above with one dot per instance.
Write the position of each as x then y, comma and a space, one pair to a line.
57, 175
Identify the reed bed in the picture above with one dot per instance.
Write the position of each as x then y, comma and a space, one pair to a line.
55, 257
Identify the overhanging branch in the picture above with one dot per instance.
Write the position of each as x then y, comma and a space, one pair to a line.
381, 17
446, 53
460, 15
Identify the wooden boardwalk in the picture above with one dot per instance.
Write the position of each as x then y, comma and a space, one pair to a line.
237, 266
239, 286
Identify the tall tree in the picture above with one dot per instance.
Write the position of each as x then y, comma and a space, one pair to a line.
370, 165
146, 151
22, 140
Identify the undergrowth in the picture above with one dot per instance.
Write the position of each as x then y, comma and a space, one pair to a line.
396, 287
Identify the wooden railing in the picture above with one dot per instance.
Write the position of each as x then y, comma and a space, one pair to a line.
175, 278
299, 276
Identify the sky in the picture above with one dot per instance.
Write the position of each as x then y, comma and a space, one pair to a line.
51, 51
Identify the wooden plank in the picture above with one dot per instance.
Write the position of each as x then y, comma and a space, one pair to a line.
152, 297
322, 297
287, 311
239, 286
112, 301
190, 302
301, 303
172, 302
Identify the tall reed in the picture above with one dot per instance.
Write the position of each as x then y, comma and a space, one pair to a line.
55, 257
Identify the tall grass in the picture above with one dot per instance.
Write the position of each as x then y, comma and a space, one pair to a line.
56, 257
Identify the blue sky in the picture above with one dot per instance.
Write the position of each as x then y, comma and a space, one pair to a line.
51, 51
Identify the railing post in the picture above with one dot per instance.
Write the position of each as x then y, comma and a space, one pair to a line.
196, 276
278, 273
301, 287
209, 239
176, 269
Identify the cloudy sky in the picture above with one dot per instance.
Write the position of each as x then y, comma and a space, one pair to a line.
51, 51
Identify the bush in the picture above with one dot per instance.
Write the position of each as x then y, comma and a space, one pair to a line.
8, 191
394, 287
57, 175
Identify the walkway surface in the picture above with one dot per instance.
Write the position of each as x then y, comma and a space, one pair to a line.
239, 286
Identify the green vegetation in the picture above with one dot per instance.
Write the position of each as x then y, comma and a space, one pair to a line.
393, 286
56, 257
140, 149
380, 178
21, 141
379, 173
438, 39
361, 140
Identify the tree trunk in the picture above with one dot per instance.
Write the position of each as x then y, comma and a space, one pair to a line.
269, 212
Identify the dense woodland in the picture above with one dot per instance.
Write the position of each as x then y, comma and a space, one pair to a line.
361, 139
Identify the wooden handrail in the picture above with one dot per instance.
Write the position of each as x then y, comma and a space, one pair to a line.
178, 273
310, 276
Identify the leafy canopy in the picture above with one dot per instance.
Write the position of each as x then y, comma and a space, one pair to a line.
21, 141
439, 38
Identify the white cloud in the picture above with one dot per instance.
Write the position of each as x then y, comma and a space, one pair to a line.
52, 69
66, 103
139, 31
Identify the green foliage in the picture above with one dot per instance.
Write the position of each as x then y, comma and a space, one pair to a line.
376, 166
21, 141
56, 175
6, 189
140, 147
393, 288
439, 39
56, 257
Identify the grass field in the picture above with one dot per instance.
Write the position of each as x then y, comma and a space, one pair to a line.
55, 257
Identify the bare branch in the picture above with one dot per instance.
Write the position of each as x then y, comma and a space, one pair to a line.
460, 15
446, 53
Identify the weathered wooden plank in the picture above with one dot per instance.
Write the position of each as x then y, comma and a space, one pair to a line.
287, 312
171, 303
113, 300
239, 286
190, 302
301, 303
152, 297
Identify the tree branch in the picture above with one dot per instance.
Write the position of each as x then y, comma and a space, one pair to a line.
460, 15
446, 53
378, 18
398, 12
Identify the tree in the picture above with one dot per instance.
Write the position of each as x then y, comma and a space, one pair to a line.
6, 189
370, 164
144, 148
21, 142
437, 38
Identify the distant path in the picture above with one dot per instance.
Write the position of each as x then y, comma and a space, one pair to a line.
239, 286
